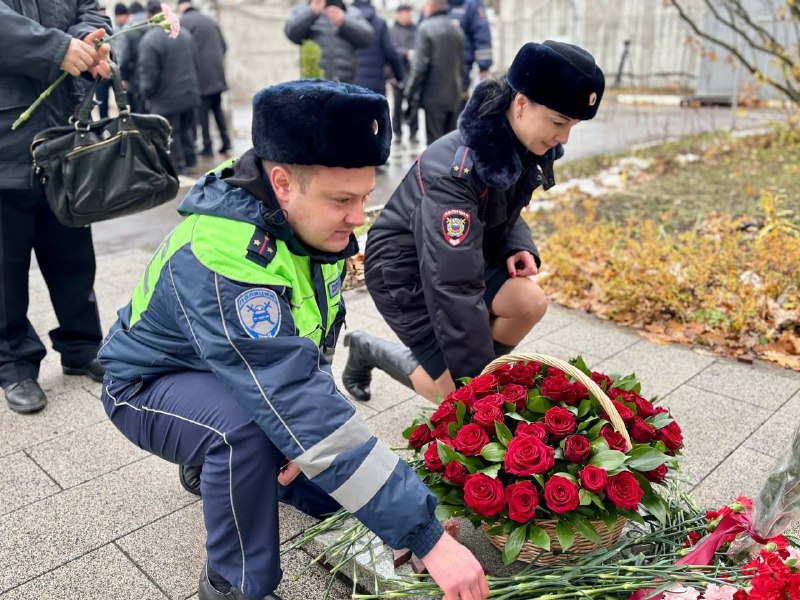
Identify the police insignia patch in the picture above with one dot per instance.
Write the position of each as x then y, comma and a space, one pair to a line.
259, 312
455, 225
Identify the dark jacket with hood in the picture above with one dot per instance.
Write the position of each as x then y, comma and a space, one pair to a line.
371, 61
235, 257
36, 35
211, 50
167, 72
456, 212
338, 44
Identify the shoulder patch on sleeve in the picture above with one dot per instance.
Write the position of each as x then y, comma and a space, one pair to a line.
259, 312
262, 247
462, 163
455, 225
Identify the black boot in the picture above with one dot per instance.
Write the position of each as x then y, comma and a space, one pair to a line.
369, 352
189, 476
208, 589
501, 349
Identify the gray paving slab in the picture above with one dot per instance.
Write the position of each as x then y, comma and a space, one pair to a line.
589, 335
542, 346
104, 573
774, 436
22, 482
713, 427
46, 534
302, 583
759, 384
660, 369
740, 474
389, 424
72, 458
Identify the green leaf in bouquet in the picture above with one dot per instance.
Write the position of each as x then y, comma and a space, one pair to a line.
584, 407
631, 515
607, 459
513, 546
565, 534
452, 429
586, 497
447, 511
578, 363
447, 454
568, 476
585, 528
651, 500
539, 404
645, 458
538, 537
503, 433
517, 417
492, 470
627, 383
408, 431
539, 478
494, 452
598, 445
573, 410
510, 407
595, 430
660, 420
559, 454
610, 518
461, 410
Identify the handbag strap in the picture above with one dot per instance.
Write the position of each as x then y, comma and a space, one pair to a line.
83, 112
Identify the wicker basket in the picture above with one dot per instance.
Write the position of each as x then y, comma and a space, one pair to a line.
582, 545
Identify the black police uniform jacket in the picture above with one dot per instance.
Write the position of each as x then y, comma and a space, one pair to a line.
455, 214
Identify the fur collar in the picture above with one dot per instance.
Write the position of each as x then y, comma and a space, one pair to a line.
496, 149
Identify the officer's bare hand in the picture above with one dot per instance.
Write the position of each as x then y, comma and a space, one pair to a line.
456, 571
335, 14
521, 264
100, 66
288, 473
317, 6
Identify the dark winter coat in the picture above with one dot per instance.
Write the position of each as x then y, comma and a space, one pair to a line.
456, 212
338, 44
478, 38
128, 57
371, 61
36, 35
167, 72
211, 50
435, 79
404, 37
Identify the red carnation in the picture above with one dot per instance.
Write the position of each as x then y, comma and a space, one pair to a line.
455, 473
483, 494
557, 387
432, 460
671, 436
624, 491
593, 479
559, 422
516, 394
576, 448
471, 439
446, 413
641, 431
527, 455
561, 495
524, 374
740, 595
657, 475
522, 499
465, 395
483, 385
535, 429
614, 438
420, 436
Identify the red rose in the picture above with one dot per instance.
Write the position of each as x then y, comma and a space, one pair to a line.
618, 394
471, 439
524, 374
625, 413
535, 429
576, 448
561, 495
671, 436
580, 391
503, 374
442, 431
614, 438
527, 455
465, 395
489, 401
558, 388
483, 385
641, 431
446, 413
522, 499
432, 460
483, 494
559, 422
624, 491
487, 416
516, 394
593, 479
420, 436
657, 475
600, 379
644, 408
455, 473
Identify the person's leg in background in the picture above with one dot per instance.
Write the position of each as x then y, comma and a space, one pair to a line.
202, 113
435, 122
186, 134
219, 118
397, 113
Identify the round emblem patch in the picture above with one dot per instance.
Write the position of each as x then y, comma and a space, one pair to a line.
592, 99
455, 225
259, 312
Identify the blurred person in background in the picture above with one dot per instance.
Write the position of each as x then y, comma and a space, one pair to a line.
404, 34
374, 61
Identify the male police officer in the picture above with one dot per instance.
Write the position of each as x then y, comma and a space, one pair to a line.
219, 359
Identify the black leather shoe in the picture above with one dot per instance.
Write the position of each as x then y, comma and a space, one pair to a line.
26, 396
92, 369
189, 477
207, 591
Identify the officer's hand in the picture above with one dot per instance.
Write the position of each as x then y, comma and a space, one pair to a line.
456, 571
288, 473
317, 6
335, 14
79, 57
521, 264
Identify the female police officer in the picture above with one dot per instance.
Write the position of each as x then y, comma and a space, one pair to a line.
448, 261
219, 359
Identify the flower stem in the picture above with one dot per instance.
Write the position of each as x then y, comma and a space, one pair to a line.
42, 97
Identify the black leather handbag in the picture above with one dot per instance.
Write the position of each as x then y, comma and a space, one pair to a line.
98, 170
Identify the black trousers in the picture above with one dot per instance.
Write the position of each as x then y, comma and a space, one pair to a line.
439, 123
66, 259
182, 146
397, 114
213, 103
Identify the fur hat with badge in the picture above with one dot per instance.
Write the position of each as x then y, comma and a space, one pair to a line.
320, 122
561, 76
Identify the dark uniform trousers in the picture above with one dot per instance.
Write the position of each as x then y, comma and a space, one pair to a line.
189, 418
66, 259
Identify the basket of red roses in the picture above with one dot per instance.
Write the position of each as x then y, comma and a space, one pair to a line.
547, 456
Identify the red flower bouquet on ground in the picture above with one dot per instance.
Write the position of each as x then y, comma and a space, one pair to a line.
539, 450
